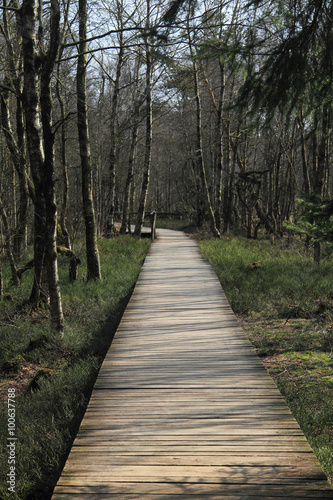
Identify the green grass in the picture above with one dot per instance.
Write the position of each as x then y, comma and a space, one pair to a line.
282, 281
286, 308
53, 377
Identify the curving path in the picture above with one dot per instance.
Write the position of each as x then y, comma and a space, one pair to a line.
183, 407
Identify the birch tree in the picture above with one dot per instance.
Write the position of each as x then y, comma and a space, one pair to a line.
40, 140
149, 127
93, 262
199, 148
113, 117
11, 97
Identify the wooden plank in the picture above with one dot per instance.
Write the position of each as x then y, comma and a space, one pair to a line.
105, 384
257, 474
240, 447
244, 442
183, 407
98, 459
186, 413
187, 393
312, 487
187, 490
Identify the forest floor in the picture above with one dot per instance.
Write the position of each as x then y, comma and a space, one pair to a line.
286, 309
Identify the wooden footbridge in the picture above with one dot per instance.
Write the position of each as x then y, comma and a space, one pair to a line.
182, 407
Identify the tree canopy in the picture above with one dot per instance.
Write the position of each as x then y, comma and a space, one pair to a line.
215, 112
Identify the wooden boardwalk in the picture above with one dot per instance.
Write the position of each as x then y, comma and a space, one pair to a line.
183, 407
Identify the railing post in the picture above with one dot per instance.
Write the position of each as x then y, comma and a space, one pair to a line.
153, 224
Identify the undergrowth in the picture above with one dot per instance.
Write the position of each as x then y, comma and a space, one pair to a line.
53, 377
286, 308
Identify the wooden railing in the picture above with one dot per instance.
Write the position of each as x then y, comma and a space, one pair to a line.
153, 218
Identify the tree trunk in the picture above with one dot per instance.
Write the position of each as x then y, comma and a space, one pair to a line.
41, 153
314, 133
93, 263
228, 184
28, 16
113, 138
21, 231
199, 152
149, 137
129, 178
305, 169
219, 151
319, 181
64, 169
57, 318
13, 79
316, 255
248, 223
7, 246
19, 161
21, 237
